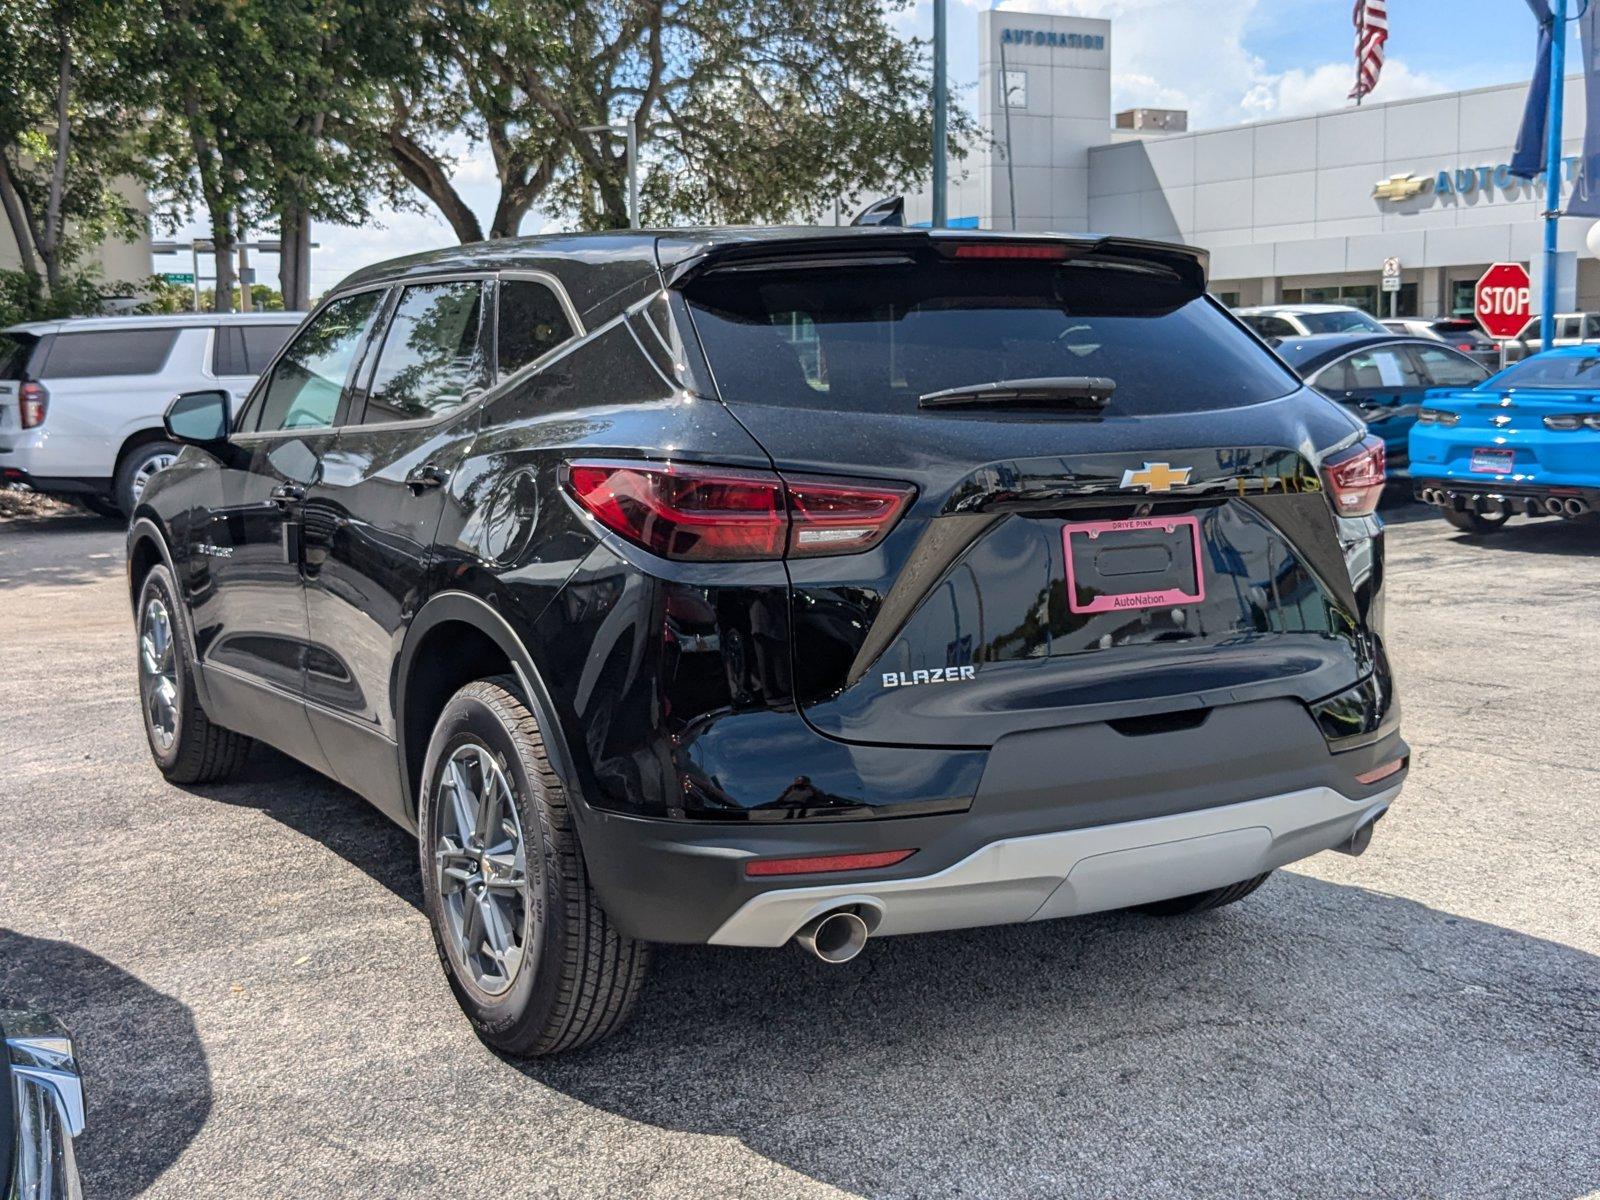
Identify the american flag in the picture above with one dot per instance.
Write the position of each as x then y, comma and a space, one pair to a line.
1372, 30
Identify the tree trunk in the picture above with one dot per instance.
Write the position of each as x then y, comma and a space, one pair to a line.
428, 176
53, 233
18, 220
225, 244
294, 259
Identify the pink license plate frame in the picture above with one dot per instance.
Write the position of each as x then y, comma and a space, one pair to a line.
1133, 601
1489, 460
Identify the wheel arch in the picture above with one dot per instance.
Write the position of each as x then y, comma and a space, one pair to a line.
139, 437
483, 643
148, 547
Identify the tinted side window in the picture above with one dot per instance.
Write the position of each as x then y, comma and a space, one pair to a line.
227, 351
305, 387
1446, 368
15, 351
430, 361
261, 343
532, 323
92, 354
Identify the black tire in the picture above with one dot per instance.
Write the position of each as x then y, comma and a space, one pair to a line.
1475, 523
576, 977
197, 750
101, 506
131, 472
1182, 906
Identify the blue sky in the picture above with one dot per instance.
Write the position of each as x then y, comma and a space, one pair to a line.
1226, 61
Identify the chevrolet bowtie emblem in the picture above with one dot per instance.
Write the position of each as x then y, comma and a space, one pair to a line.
1398, 187
1155, 477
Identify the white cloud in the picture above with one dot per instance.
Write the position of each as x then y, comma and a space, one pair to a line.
1193, 56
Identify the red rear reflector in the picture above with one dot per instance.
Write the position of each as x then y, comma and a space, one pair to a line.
826, 862
717, 514
1009, 250
1383, 772
1355, 480
32, 403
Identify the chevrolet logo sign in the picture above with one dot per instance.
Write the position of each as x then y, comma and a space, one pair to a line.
1155, 477
1398, 187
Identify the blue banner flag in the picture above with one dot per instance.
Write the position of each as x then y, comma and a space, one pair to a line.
1585, 198
1527, 159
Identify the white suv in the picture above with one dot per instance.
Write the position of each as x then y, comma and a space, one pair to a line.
81, 399
1279, 321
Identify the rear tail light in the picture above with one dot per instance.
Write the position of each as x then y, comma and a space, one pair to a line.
1033, 250
1437, 416
819, 864
1567, 422
32, 403
717, 514
1355, 479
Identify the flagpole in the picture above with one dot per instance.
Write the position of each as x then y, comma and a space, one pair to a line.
1552, 167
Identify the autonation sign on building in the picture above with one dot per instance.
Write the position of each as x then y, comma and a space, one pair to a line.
1303, 208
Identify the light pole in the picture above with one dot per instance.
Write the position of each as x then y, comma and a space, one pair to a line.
940, 115
1552, 214
631, 136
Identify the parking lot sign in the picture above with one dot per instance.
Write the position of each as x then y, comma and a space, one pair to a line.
1391, 274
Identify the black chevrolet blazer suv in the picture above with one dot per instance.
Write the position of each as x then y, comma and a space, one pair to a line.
754, 586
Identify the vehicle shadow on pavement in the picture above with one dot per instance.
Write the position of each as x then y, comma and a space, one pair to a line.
1313, 1040
146, 1079
1542, 536
60, 551
318, 808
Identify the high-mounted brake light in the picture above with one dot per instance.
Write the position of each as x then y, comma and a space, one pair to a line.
819, 864
718, 514
32, 404
1355, 479
1009, 250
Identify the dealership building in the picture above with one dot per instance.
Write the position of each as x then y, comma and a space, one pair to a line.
1301, 209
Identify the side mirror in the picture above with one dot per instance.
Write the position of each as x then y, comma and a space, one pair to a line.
199, 419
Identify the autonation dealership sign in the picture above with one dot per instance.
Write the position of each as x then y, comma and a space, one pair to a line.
1049, 37
1461, 182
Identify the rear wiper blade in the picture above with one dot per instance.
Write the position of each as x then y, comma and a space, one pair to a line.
1085, 393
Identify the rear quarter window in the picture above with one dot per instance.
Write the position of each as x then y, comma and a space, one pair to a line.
875, 338
94, 353
15, 351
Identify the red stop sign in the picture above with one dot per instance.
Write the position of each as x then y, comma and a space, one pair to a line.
1502, 300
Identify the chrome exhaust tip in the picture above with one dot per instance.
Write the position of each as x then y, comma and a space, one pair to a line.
1553, 506
834, 937
1575, 507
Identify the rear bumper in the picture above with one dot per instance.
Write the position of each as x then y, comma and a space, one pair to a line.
1067, 794
1077, 870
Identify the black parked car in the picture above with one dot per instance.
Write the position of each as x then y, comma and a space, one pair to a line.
753, 586
1383, 379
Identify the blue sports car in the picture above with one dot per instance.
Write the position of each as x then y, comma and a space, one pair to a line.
1525, 441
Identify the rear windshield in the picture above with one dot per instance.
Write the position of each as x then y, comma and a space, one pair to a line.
109, 352
875, 338
14, 351
1560, 373
1349, 321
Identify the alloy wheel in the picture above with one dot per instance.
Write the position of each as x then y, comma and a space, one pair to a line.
147, 469
481, 869
158, 673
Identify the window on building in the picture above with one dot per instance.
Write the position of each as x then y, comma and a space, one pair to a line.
1015, 93
1461, 303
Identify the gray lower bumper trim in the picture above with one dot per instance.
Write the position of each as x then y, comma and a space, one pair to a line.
1077, 870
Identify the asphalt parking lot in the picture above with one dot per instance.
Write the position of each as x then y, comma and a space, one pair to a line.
260, 1012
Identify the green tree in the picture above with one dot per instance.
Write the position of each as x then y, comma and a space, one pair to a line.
71, 97
754, 111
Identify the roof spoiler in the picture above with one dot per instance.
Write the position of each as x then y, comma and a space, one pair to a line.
889, 211
861, 244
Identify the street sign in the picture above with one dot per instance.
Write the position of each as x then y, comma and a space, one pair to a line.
1391, 283
178, 276
1391, 268
1502, 301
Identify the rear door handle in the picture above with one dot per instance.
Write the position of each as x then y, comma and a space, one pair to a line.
287, 493
420, 479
